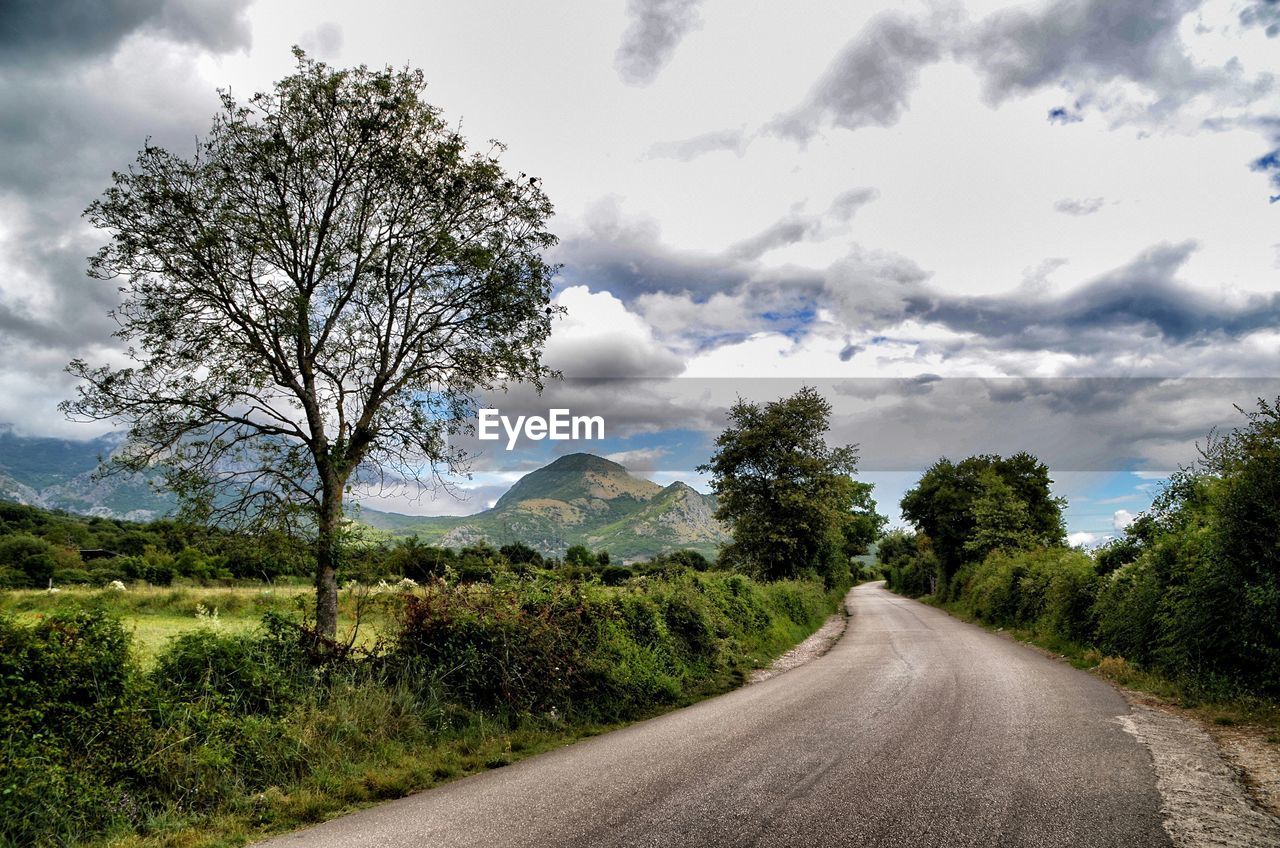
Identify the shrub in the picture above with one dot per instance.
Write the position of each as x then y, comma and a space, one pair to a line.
76, 729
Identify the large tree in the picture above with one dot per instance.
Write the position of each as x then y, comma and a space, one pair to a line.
969, 508
790, 499
312, 300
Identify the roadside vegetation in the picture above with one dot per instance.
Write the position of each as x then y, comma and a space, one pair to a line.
227, 732
1186, 604
157, 691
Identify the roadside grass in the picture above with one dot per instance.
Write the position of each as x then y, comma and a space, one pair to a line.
398, 762
232, 775
1217, 706
155, 615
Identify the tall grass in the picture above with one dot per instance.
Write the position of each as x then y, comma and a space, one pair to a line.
231, 735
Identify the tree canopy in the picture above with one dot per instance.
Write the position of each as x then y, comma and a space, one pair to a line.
313, 299
982, 504
791, 500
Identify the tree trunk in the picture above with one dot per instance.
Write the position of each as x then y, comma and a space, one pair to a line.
327, 555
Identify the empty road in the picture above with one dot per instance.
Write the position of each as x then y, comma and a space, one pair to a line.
914, 730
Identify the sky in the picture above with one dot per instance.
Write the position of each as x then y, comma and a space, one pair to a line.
981, 226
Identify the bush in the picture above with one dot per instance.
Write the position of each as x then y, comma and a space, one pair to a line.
1049, 590
243, 674
76, 727
593, 651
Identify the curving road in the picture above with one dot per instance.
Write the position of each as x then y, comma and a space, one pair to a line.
914, 730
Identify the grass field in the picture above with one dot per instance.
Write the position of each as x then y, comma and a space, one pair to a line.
155, 615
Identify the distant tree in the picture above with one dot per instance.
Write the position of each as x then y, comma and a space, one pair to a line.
1001, 520
579, 555
789, 498
518, 553
983, 503
312, 301
865, 525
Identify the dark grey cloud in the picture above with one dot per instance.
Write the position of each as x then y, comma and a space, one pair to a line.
1265, 14
657, 27
869, 81
1084, 46
799, 226
1022, 49
628, 261
1144, 296
1079, 206
54, 31
73, 108
686, 149
611, 356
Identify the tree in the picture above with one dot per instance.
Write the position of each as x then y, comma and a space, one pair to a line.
983, 503
1001, 520
312, 301
789, 498
865, 525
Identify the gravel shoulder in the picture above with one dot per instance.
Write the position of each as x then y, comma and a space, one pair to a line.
1219, 785
818, 643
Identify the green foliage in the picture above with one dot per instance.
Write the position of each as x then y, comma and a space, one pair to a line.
1191, 591
261, 730
791, 500
75, 730
908, 563
982, 504
1047, 590
597, 653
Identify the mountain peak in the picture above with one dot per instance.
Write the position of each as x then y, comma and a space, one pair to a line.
578, 477
584, 462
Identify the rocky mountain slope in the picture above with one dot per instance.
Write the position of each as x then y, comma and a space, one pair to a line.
579, 499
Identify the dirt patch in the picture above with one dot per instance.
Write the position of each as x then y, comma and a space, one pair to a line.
810, 649
1247, 748
1203, 801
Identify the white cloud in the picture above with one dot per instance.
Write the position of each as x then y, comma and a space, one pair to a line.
599, 337
1084, 539
1122, 519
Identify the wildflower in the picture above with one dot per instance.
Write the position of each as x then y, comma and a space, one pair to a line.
208, 616
407, 583
116, 586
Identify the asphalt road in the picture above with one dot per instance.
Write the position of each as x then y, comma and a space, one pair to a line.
914, 730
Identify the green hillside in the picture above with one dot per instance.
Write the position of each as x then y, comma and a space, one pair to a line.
580, 499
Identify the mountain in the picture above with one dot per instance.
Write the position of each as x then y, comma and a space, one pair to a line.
58, 474
580, 499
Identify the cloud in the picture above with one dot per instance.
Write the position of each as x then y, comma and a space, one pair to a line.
1144, 295
1095, 49
599, 338
1022, 49
1122, 519
1083, 539
74, 108
1081, 206
59, 31
640, 459
799, 226
1264, 14
869, 81
324, 41
686, 149
657, 27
